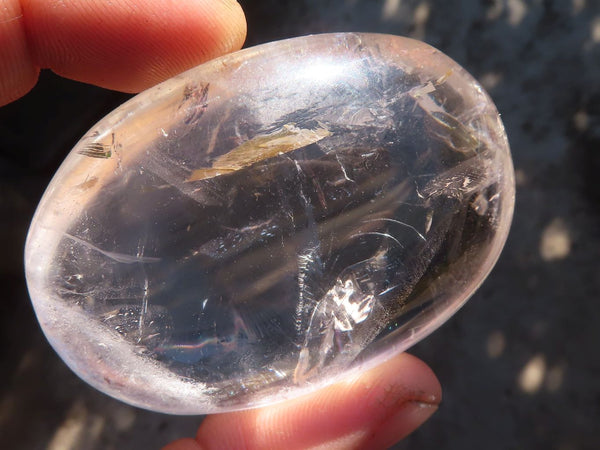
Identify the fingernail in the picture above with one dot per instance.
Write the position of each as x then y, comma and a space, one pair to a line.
407, 419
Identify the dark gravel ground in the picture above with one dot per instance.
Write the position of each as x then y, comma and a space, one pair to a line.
519, 364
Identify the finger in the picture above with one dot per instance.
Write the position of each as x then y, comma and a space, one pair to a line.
125, 45
183, 444
370, 411
18, 72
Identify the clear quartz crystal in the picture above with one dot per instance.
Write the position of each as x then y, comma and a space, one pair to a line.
271, 221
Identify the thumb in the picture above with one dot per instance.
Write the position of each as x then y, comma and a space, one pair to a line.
370, 411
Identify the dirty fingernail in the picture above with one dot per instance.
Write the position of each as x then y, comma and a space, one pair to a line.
408, 418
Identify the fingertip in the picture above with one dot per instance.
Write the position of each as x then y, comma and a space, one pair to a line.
409, 394
414, 374
234, 14
183, 444
130, 46
18, 73
407, 419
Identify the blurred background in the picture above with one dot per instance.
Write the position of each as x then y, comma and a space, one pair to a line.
519, 364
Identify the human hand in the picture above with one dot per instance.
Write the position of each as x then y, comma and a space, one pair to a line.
129, 46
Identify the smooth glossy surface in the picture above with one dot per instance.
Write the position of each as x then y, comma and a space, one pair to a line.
268, 222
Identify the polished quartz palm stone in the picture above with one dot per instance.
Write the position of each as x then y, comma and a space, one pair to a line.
271, 221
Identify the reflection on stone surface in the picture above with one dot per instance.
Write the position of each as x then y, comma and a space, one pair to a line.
263, 224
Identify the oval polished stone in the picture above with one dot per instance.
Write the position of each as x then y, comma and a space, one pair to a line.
271, 221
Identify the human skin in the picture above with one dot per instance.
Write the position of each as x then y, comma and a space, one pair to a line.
130, 45
126, 45
371, 411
